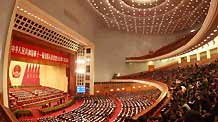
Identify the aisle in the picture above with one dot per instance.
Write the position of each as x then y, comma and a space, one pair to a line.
117, 110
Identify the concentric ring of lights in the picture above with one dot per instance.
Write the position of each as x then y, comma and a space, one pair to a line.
121, 8
143, 3
147, 11
127, 15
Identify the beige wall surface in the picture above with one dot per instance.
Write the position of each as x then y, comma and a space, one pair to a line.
112, 47
73, 13
53, 76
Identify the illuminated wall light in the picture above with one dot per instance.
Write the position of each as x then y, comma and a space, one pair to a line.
164, 60
111, 90
208, 54
188, 58
144, 86
150, 63
80, 61
88, 59
179, 60
80, 71
198, 56
123, 88
118, 89
97, 91
133, 87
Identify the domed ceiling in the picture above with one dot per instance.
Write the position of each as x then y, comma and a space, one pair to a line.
151, 16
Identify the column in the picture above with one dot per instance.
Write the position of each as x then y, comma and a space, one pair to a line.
179, 60
151, 66
92, 72
208, 54
6, 12
72, 75
198, 56
188, 58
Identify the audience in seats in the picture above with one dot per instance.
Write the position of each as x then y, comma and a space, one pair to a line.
194, 92
28, 96
100, 108
134, 103
194, 96
94, 109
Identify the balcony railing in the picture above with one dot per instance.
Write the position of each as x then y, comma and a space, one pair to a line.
6, 115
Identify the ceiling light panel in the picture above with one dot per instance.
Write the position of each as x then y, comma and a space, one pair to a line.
151, 16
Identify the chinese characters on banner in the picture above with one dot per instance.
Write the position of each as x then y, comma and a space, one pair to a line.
24, 50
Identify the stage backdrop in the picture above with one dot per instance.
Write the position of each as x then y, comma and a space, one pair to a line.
22, 73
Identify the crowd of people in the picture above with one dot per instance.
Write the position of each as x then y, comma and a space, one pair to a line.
28, 96
194, 91
94, 109
100, 108
194, 98
133, 103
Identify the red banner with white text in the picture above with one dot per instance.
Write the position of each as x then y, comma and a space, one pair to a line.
22, 49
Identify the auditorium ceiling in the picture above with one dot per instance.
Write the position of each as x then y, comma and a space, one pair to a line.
150, 17
152, 23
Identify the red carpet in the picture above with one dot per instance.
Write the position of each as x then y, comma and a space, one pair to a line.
117, 110
36, 113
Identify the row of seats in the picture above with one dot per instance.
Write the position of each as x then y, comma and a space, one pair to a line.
194, 92
94, 109
100, 108
134, 103
28, 96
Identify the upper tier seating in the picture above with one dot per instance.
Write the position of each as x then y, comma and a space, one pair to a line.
193, 87
194, 92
